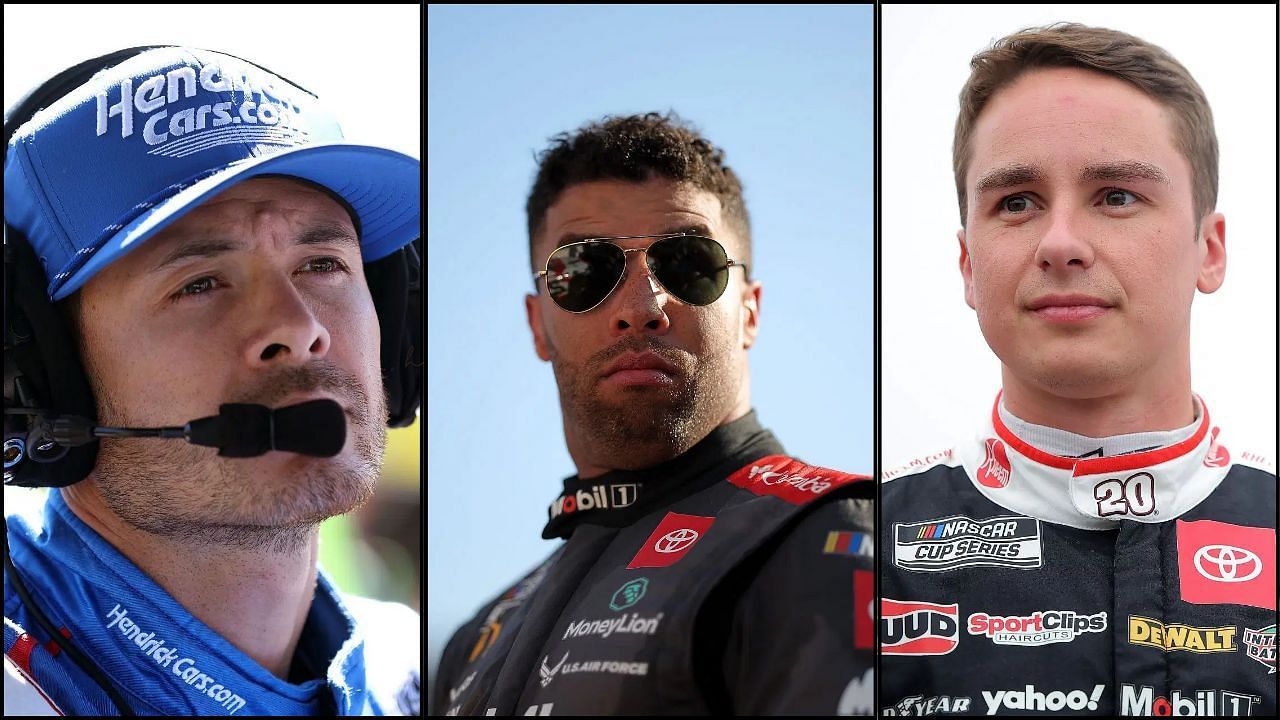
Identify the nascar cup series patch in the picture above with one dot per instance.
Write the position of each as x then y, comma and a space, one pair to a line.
959, 542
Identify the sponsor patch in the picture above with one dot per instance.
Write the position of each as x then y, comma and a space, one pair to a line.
995, 471
790, 479
1224, 563
1217, 456
1153, 633
1142, 700
629, 594
548, 672
454, 693
625, 624
1029, 699
918, 464
958, 542
1261, 646
170, 658
671, 540
1042, 627
600, 497
918, 705
864, 610
858, 697
848, 543
918, 628
512, 598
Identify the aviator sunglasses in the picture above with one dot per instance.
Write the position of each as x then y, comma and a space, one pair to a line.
693, 268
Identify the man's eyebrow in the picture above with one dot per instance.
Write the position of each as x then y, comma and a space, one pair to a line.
1124, 170
213, 247
685, 229
328, 233
199, 248
1006, 177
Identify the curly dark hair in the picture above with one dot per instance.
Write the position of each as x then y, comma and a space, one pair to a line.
636, 148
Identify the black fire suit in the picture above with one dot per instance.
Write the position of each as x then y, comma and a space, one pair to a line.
1019, 581
732, 579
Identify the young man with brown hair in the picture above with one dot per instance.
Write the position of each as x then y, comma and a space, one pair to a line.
1099, 546
704, 570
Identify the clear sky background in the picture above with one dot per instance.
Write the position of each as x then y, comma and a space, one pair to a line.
786, 91
364, 61
939, 376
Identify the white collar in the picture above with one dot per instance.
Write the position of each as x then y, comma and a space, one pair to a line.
1068, 444
1149, 486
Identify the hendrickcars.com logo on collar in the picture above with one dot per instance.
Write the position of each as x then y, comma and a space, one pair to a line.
167, 657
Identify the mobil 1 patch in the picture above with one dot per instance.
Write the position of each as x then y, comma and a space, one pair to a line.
954, 542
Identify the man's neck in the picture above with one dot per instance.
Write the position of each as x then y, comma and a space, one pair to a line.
257, 600
591, 462
1162, 406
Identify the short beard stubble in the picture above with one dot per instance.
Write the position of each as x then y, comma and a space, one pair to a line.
191, 495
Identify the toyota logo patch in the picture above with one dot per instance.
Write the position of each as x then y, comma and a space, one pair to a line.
676, 540
1225, 563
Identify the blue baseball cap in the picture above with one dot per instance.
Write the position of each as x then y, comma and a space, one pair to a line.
98, 172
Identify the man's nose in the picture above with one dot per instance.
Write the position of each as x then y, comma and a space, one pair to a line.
1065, 244
282, 327
640, 301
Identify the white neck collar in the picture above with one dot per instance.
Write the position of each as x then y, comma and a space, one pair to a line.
1068, 444
1029, 471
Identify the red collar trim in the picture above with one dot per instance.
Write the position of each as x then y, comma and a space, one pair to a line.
1099, 466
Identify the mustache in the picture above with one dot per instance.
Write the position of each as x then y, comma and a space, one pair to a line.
639, 344
323, 376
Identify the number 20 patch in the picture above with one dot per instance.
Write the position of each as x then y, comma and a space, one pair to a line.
1134, 495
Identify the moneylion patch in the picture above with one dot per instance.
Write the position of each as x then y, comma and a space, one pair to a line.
958, 542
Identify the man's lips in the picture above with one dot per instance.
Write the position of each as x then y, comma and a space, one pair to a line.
640, 369
1069, 308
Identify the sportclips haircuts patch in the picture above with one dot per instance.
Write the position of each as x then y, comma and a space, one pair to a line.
959, 542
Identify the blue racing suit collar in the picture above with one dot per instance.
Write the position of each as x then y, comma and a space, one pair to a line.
161, 657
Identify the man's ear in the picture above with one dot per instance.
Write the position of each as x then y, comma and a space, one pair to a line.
966, 269
750, 313
533, 310
1213, 259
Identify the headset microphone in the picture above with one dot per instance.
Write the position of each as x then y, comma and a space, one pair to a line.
316, 428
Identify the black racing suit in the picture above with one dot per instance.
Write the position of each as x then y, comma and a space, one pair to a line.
1019, 581
732, 579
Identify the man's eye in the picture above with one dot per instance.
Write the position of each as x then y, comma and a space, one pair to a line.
1016, 204
1118, 198
324, 265
197, 287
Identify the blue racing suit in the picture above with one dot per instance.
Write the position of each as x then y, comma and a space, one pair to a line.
355, 656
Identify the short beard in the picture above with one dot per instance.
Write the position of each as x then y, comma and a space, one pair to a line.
656, 426
191, 495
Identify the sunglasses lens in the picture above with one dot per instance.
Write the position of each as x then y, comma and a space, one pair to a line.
579, 276
694, 269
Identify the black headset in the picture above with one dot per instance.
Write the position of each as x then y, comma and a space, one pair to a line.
43, 375
44, 378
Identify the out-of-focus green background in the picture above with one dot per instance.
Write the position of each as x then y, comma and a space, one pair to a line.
377, 550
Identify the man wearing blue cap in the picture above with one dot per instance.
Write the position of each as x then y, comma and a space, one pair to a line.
205, 229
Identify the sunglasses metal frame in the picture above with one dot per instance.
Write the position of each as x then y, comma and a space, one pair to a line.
729, 263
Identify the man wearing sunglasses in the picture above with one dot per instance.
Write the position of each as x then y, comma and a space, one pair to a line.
704, 570
1098, 546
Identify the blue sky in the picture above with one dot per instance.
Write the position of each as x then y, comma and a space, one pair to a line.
785, 91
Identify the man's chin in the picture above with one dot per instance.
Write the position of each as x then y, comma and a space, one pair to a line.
1077, 374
